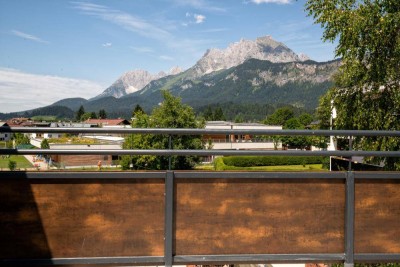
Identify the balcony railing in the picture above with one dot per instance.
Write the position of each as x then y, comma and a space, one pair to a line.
197, 217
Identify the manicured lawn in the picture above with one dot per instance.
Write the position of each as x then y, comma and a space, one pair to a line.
21, 161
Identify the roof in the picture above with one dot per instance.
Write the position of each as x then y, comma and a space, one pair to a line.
108, 122
19, 122
240, 126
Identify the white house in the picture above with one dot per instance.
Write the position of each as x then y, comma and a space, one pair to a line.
226, 141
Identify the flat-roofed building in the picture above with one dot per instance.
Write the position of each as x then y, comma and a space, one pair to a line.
241, 141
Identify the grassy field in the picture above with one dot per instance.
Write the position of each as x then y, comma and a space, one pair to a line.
21, 161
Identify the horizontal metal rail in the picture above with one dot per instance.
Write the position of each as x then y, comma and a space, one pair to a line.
257, 258
116, 175
205, 259
205, 152
136, 260
182, 131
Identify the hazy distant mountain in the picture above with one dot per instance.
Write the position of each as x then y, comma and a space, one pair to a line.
61, 112
133, 81
71, 103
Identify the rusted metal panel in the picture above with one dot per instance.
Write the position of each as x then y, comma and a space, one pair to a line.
253, 216
81, 218
377, 216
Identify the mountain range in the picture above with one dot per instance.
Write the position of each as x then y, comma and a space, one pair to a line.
260, 72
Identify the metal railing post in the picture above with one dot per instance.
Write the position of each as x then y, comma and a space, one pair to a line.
169, 218
350, 149
170, 147
349, 220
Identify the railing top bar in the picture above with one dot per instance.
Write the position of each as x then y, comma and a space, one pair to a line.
206, 152
170, 131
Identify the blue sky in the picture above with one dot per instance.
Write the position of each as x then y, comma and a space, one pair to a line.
50, 50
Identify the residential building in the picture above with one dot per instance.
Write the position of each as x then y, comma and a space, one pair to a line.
246, 141
5, 136
114, 123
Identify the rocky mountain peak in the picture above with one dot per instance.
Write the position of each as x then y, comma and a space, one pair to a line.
133, 81
303, 57
268, 41
263, 48
175, 70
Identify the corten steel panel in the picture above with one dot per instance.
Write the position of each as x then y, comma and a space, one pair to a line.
377, 216
81, 218
259, 216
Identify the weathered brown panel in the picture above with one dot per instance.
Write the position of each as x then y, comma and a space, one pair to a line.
81, 218
377, 216
253, 216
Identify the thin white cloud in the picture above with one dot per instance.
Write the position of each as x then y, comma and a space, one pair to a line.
199, 18
107, 44
147, 29
22, 91
142, 49
215, 30
167, 58
200, 5
125, 20
195, 18
28, 36
271, 1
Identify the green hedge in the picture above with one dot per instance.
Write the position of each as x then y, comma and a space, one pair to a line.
252, 161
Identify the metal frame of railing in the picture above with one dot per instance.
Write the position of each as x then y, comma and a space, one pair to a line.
206, 152
348, 256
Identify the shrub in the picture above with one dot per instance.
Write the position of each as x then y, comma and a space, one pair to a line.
252, 161
12, 165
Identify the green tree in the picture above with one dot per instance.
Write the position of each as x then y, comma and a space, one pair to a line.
80, 113
85, 116
138, 109
170, 114
208, 114
280, 116
93, 115
367, 91
305, 119
219, 115
301, 142
102, 114
21, 139
239, 118
324, 110
44, 144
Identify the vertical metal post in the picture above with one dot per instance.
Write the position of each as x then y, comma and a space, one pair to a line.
169, 147
349, 220
169, 217
350, 149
